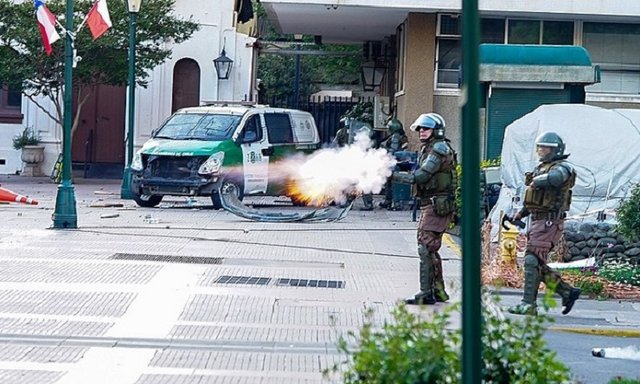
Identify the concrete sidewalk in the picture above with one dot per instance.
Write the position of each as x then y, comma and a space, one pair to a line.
187, 294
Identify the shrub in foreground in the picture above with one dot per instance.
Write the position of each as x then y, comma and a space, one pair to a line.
414, 350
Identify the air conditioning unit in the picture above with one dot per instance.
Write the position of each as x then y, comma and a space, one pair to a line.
381, 112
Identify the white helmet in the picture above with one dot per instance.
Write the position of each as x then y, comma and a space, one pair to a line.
431, 121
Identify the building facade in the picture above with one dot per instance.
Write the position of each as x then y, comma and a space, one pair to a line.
188, 78
423, 44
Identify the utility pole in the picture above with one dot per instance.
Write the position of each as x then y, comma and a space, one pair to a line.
296, 103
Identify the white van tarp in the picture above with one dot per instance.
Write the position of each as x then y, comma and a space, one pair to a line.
605, 150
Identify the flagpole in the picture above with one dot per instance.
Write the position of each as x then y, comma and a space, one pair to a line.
65, 215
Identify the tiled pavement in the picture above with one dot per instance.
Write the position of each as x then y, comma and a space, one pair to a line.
182, 294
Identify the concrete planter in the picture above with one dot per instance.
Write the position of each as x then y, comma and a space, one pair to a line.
32, 156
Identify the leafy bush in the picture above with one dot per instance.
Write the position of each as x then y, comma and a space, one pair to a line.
621, 272
622, 380
414, 350
27, 137
628, 215
588, 282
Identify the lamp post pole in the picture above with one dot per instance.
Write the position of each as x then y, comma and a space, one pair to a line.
65, 215
125, 189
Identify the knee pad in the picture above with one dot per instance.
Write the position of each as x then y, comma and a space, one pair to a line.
423, 251
531, 261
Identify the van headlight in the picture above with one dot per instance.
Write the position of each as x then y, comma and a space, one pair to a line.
136, 162
212, 165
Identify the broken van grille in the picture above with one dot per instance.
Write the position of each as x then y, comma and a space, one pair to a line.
175, 167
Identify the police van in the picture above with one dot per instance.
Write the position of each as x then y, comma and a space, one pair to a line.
199, 151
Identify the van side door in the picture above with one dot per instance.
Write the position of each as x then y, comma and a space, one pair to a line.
255, 156
282, 143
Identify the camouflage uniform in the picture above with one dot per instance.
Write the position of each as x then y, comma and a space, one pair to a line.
397, 141
435, 181
342, 137
546, 200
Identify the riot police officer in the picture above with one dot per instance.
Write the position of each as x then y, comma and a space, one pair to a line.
342, 134
435, 180
395, 142
546, 199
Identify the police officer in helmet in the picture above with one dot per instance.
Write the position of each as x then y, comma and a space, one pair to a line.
395, 142
547, 199
435, 180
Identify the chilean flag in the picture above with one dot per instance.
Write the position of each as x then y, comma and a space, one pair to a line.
47, 25
98, 19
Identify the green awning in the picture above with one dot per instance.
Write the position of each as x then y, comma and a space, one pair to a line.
520, 54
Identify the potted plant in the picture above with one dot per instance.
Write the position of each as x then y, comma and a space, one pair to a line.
32, 152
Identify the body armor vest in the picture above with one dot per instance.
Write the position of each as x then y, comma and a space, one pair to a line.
548, 200
445, 180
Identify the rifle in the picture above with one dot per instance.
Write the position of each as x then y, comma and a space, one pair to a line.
518, 223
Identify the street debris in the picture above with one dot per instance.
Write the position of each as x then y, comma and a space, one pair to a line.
627, 353
232, 204
150, 220
106, 205
105, 193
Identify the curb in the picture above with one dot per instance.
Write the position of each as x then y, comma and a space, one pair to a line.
451, 244
613, 332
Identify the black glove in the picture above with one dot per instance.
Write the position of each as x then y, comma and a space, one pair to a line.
518, 223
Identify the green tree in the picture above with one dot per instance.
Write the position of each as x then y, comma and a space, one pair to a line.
277, 72
629, 215
24, 64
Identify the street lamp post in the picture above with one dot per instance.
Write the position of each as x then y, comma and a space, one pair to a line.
223, 65
65, 215
134, 8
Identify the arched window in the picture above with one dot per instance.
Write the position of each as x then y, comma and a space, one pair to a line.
186, 84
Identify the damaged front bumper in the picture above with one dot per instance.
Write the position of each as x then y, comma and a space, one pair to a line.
142, 185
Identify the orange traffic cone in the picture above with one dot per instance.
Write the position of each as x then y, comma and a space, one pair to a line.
7, 195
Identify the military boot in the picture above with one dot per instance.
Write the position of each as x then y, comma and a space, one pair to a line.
568, 302
421, 298
438, 287
523, 309
367, 200
425, 295
531, 284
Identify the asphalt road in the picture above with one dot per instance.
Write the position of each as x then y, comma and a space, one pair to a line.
575, 351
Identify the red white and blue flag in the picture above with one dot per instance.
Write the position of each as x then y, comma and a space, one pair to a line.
98, 19
47, 25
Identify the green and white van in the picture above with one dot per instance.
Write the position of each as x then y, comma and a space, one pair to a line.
199, 150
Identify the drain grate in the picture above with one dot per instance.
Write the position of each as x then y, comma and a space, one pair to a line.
311, 283
248, 280
167, 258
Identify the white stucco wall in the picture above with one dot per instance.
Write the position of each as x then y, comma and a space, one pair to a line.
153, 104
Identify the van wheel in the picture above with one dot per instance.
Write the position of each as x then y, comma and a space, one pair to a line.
298, 202
147, 201
228, 186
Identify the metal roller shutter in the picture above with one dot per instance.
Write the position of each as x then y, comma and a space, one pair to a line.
507, 105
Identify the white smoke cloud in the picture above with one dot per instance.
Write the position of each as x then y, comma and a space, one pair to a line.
335, 173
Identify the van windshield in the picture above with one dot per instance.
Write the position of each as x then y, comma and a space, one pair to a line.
198, 126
